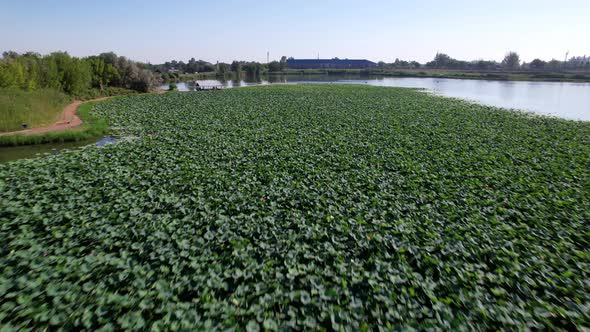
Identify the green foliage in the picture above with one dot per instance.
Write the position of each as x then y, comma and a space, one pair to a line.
12, 74
222, 68
283, 63
303, 207
252, 68
174, 67
537, 64
274, 66
102, 73
236, 67
511, 61
74, 76
75, 73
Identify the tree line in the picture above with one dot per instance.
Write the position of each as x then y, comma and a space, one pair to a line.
511, 62
103, 74
75, 76
171, 70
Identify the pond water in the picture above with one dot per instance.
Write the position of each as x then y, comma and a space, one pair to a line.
10, 153
562, 99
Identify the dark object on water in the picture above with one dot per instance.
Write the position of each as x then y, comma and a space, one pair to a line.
25, 125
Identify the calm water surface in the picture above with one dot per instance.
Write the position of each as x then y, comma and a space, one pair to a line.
561, 99
10, 153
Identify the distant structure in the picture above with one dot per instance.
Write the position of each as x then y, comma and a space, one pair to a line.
329, 64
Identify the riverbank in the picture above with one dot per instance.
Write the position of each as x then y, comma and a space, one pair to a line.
444, 73
582, 77
77, 124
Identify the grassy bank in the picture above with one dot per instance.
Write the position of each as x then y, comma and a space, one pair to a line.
91, 127
44, 107
444, 73
35, 108
320, 207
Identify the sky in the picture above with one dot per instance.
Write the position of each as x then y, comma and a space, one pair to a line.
378, 30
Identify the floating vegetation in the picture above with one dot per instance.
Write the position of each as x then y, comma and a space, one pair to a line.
333, 207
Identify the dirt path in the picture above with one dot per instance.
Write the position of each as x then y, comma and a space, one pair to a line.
69, 119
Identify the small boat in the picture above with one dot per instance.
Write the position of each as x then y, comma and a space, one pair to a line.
207, 86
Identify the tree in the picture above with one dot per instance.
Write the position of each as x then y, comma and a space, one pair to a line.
222, 68
274, 66
252, 68
75, 76
511, 61
283, 62
144, 81
236, 67
484, 65
10, 55
12, 74
33, 74
442, 60
109, 58
554, 65
537, 64
102, 73
192, 66
50, 75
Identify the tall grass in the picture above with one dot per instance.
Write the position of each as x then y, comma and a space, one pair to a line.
35, 108
92, 126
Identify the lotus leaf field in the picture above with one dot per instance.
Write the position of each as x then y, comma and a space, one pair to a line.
305, 207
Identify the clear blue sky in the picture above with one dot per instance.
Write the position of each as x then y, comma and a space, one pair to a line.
157, 31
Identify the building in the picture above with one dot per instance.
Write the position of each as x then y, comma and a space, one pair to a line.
329, 64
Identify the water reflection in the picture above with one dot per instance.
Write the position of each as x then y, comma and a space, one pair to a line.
563, 99
10, 153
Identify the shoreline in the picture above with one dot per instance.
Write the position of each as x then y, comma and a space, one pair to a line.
471, 75
75, 124
69, 120
566, 77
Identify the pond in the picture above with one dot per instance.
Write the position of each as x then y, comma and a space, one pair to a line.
562, 99
10, 153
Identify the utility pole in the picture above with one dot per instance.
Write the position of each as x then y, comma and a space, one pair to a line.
565, 61
267, 57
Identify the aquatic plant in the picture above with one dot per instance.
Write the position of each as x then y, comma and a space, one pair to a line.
304, 207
